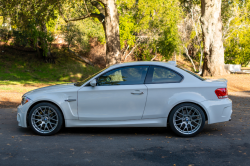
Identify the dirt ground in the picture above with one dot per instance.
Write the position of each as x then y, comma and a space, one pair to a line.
10, 95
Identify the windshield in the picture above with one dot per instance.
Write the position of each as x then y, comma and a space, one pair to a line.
90, 77
197, 76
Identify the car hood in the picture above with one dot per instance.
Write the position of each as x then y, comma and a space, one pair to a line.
53, 88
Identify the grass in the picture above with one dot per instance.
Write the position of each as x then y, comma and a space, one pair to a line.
25, 68
18, 88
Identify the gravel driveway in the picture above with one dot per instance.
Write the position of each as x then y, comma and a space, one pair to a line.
218, 144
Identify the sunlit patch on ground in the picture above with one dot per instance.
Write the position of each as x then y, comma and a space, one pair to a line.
236, 82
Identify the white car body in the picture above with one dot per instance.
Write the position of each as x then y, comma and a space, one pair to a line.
115, 106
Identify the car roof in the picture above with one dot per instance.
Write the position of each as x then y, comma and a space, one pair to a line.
167, 64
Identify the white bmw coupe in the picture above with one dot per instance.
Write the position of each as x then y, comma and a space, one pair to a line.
136, 94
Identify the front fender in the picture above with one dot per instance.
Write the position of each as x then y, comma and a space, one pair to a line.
69, 109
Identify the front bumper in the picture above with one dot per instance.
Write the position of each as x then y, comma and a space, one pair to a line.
22, 114
218, 110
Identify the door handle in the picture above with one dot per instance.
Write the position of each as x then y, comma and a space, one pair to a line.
137, 93
70, 100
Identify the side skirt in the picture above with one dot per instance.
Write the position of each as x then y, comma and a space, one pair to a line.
160, 122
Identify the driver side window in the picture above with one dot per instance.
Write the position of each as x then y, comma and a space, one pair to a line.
124, 76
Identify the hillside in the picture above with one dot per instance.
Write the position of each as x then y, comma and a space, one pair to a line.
21, 67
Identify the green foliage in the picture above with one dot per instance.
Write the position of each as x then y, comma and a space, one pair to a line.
169, 42
29, 36
150, 24
237, 40
52, 22
79, 32
127, 29
91, 28
28, 20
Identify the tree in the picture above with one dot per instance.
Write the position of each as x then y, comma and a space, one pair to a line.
29, 18
149, 27
108, 16
212, 38
237, 34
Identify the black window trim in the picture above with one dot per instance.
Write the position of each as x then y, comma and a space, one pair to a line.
151, 67
124, 67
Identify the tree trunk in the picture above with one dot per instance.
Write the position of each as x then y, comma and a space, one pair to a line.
110, 20
45, 45
212, 37
113, 54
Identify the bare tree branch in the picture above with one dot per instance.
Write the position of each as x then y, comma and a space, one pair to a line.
125, 51
86, 7
189, 57
79, 18
82, 58
99, 16
61, 14
155, 56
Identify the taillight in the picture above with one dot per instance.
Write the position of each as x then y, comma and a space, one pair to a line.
221, 93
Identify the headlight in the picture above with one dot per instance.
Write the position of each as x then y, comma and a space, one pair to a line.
25, 100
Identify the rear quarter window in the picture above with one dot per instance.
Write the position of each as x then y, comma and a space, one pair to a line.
159, 74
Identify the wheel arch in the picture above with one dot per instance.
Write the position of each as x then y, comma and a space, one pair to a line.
206, 116
42, 101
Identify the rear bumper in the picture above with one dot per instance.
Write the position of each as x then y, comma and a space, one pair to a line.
218, 110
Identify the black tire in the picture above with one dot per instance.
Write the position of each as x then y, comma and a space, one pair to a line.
187, 119
53, 115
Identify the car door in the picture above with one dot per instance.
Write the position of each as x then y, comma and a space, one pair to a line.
120, 94
162, 83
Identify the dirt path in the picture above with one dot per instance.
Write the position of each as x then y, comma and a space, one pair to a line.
11, 95
10, 99
237, 82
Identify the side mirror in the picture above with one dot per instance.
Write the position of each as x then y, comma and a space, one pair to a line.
93, 83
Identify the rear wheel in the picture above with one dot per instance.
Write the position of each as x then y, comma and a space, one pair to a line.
187, 120
45, 119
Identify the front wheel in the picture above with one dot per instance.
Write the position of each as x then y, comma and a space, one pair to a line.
187, 120
45, 119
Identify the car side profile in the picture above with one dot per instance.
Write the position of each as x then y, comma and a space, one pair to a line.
135, 94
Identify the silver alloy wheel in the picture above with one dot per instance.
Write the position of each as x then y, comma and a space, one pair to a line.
187, 120
44, 119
